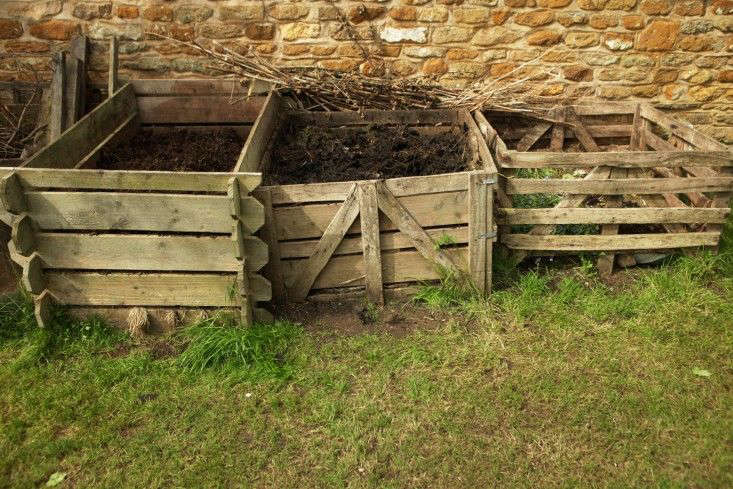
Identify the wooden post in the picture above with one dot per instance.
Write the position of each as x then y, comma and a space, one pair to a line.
238, 230
477, 229
269, 235
75, 74
58, 87
112, 81
369, 216
557, 140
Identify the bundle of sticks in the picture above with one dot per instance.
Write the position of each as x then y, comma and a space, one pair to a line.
19, 117
332, 90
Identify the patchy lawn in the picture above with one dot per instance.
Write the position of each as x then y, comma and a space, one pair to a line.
558, 381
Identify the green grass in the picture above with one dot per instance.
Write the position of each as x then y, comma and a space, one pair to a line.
557, 381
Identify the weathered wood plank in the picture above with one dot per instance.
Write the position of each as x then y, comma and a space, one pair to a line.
337, 191
478, 227
33, 279
142, 289
415, 117
605, 261
189, 86
606, 108
102, 211
263, 130
388, 241
397, 267
618, 186
112, 79
198, 109
23, 234
596, 131
406, 223
633, 215
369, 218
610, 243
640, 159
56, 117
332, 236
485, 157
125, 130
557, 138
532, 136
111, 180
636, 131
86, 134
43, 308
141, 252
684, 130
309, 221
586, 140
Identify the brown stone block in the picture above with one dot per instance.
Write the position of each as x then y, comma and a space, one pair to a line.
158, 13
578, 73
614, 92
696, 43
494, 36
435, 66
92, 10
535, 18
620, 4
295, 49
461, 54
373, 68
592, 4
603, 21
33, 47
572, 18
339, 64
323, 50
618, 41
633, 22
402, 68
655, 7
288, 11
474, 15
689, 8
403, 13
722, 7
499, 16
500, 69
128, 11
260, 32
10, 29
554, 3
660, 35
432, 14
361, 12
544, 38
725, 76
55, 30
581, 39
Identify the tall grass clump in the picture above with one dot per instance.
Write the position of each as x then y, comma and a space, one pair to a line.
455, 289
221, 343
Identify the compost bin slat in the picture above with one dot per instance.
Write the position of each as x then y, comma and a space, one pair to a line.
200, 109
397, 267
618, 186
33, 178
144, 252
643, 159
335, 191
644, 215
685, 131
609, 243
164, 289
139, 212
310, 221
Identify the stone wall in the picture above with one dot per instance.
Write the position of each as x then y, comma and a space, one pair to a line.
676, 54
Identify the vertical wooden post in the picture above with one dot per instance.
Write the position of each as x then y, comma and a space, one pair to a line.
369, 217
113, 83
58, 87
557, 140
75, 89
477, 229
243, 292
269, 235
491, 230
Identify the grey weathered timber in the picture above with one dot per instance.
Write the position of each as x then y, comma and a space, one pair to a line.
371, 248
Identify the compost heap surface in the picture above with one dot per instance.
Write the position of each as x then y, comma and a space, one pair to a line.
311, 154
177, 150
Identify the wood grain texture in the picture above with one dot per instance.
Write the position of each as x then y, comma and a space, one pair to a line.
191, 86
273, 271
370, 242
149, 181
102, 211
23, 234
557, 137
250, 158
618, 186
681, 129
309, 221
199, 109
640, 215
610, 243
478, 227
11, 194
641, 159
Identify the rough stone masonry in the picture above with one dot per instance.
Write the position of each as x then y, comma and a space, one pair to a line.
676, 54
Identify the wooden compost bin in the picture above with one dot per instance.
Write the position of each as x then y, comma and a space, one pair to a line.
667, 185
105, 241
373, 237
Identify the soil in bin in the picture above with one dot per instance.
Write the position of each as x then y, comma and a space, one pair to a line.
311, 154
175, 150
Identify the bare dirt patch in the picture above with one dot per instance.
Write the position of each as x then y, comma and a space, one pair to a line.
310, 154
175, 150
351, 318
